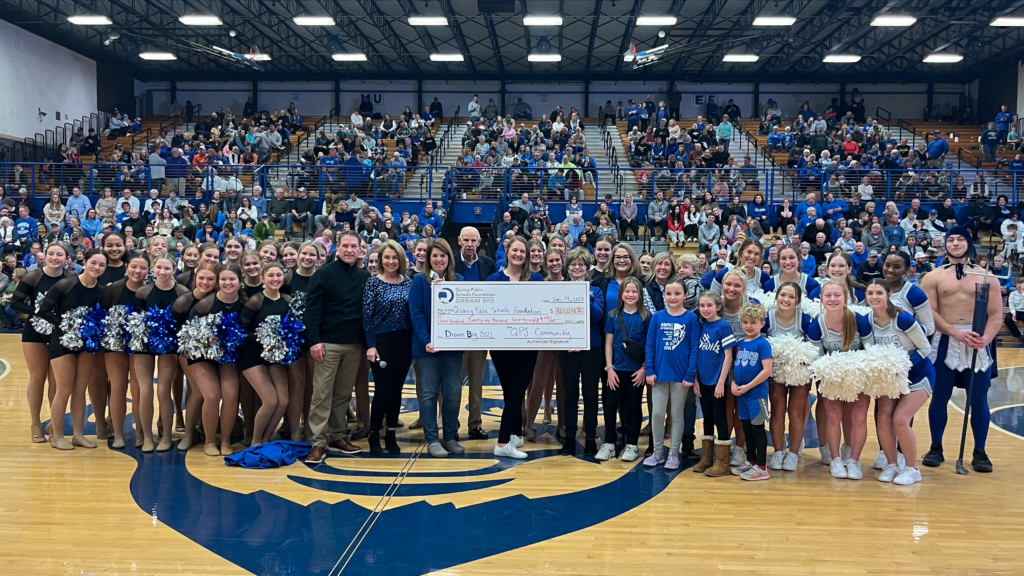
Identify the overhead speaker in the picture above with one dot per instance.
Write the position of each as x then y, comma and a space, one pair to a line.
974, 46
496, 6
543, 45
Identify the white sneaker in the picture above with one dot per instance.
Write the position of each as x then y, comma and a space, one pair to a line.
880, 461
845, 452
908, 477
737, 456
777, 458
790, 462
888, 473
838, 468
509, 451
901, 462
517, 441
607, 451
629, 453
826, 455
853, 471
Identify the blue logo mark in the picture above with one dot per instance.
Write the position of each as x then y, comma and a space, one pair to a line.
446, 295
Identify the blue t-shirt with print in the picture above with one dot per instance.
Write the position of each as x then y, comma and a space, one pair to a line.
715, 338
750, 354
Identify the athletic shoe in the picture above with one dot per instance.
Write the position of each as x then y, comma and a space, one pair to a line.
737, 456
655, 459
845, 452
672, 463
880, 461
517, 441
454, 447
436, 450
755, 473
790, 462
826, 455
630, 453
838, 469
509, 451
739, 470
980, 462
853, 471
934, 457
777, 459
607, 451
888, 473
901, 461
908, 477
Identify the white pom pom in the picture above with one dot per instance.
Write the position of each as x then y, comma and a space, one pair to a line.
884, 369
860, 309
811, 307
838, 376
767, 299
791, 360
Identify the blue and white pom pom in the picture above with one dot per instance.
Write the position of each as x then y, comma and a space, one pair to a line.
115, 338
291, 332
231, 335
71, 325
298, 305
281, 339
39, 324
792, 359
160, 331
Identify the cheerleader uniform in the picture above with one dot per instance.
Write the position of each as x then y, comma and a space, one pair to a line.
34, 284
907, 333
806, 283
734, 320
111, 275
65, 296
914, 301
829, 341
256, 311
150, 296
797, 330
857, 298
211, 305
758, 282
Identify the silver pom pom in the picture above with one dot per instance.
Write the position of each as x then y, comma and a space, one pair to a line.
135, 328
274, 348
38, 324
197, 339
298, 305
113, 329
71, 326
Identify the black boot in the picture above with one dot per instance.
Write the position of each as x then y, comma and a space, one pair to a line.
391, 443
569, 447
980, 462
686, 448
590, 448
934, 457
374, 440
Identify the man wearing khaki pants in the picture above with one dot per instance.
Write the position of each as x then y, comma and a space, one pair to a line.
334, 328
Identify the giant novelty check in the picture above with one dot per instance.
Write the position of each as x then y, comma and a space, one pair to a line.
510, 316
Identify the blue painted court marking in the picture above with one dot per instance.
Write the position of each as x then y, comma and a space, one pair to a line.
403, 490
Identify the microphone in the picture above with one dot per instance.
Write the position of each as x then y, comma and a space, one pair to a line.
380, 362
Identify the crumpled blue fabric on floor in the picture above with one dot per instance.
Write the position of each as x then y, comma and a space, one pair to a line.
269, 455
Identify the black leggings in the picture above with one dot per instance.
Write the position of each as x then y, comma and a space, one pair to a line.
757, 442
632, 397
714, 413
395, 349
515, 370
576, 366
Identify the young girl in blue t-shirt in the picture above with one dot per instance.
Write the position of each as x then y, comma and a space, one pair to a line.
671, 365
629, 321
714, 357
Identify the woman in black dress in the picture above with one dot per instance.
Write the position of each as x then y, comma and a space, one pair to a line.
34, 344
118, 299
158, 297
296, 284
72, 367
268, 378
205, 283
113, 246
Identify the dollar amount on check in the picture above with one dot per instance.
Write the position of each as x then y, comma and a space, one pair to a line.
510, 316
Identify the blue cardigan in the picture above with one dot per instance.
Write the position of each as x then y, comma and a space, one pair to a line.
419, 312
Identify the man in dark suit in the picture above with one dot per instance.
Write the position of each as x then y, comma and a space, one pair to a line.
473, 267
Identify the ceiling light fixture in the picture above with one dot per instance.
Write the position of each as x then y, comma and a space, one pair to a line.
544, 57
774, 21
447, 58
200, 20
1008, 21
656, 21
349, 57
428, 21
841, 58
157, 56
313, 20
943, 58
740, 58
90, 20
542, 20
894, 20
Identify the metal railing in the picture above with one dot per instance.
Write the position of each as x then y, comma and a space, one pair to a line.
883, 114
905, 125
965, 156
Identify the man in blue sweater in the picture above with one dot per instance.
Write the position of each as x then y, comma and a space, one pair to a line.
26, 227
938, 147
989, 142
428, 216
1003, 120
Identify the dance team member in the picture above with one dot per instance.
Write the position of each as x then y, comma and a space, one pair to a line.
890, 325
99, 385
72, 367
304, 258
205, 284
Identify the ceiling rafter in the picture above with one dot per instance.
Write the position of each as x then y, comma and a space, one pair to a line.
627, 34
383, 25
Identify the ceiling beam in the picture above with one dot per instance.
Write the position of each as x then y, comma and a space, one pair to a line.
460, 40
593, 34
495, 45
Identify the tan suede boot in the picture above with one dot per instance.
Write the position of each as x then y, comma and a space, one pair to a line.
721, 465
707, 448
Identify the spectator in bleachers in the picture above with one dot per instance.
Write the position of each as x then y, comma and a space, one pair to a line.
657, 213
301, 212
523, 111
938, 147
990, 140
1003, 121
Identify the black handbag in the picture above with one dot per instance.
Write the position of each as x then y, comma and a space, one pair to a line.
633, 349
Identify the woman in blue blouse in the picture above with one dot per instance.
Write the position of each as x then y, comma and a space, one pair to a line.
514, 367
439, 372
388, 333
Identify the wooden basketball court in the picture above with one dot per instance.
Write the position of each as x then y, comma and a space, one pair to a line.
122, 512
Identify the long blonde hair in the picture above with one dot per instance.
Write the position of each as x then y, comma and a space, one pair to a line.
849, 331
